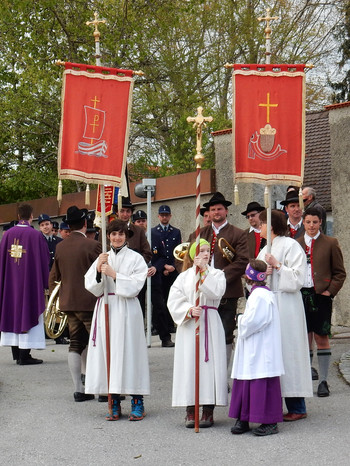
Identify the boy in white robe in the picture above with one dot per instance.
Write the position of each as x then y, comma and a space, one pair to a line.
124, 272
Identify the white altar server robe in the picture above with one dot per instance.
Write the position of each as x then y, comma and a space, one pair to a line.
213, 373
286, 284
129, 370
258, 350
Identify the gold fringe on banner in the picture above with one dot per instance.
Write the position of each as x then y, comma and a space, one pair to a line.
301, 202
59, 193
236, 195
266, 197
87, 195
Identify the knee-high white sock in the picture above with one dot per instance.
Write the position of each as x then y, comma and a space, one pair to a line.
83, 361
74, 364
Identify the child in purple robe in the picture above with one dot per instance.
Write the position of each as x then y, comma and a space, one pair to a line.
257, 365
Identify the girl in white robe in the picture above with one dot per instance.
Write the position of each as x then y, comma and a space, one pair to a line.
287, 267
257, 363
123, 271
213, 372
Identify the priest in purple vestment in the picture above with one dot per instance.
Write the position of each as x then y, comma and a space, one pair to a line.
24, 272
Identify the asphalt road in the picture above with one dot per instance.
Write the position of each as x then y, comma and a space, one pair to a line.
42, 425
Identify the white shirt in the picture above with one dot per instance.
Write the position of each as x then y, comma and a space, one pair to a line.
309, 282
254, 229
295, 227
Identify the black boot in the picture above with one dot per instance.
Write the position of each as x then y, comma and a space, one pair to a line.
240, 427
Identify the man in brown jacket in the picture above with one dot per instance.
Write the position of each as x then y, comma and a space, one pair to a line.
255, 242
237, 238
73, 258
324, 278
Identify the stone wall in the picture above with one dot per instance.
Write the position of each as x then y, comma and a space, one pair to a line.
339, 119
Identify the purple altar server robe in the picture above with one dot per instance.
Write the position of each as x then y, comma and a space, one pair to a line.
24, 272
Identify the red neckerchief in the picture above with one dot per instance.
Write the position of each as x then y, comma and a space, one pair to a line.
257, 243
292, 231
212, 246
309, 251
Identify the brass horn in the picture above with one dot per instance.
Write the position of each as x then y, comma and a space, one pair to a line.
227, 250
55, 321
180, 251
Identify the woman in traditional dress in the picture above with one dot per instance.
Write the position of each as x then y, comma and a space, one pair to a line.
123, 271
257, 363
213, 370
287, 268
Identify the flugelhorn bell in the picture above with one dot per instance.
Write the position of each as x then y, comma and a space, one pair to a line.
55, 320
180, 251
227, 250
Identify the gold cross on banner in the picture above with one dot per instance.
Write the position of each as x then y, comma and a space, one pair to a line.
268, 105
198, 122
16, 250
95, 100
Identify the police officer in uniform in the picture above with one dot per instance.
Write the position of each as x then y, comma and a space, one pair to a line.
169, 237
45, 226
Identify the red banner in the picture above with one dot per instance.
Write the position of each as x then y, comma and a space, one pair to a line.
94, 133
109, 200
269, 123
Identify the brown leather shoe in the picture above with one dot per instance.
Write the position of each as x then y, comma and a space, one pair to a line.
189, 419
207, 419
293, 417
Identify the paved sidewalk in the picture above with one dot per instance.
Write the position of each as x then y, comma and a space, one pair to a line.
343, 333
42, 425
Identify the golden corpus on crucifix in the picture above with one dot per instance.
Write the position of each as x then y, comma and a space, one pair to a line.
96, 22
198, 122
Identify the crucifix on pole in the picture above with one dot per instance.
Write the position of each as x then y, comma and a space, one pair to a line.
199, 121
268, 31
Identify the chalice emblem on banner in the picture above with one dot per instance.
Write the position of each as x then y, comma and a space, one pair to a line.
261, 143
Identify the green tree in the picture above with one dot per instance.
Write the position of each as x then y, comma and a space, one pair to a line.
342, 88
181, 45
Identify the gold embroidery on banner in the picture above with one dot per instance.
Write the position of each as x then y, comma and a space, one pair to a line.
16, 250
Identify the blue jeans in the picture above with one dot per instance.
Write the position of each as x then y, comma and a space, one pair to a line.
296, 405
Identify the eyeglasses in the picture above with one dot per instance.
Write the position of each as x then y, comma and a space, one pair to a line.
251, 215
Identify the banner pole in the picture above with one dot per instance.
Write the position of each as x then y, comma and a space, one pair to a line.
97, 34
198, 123
268, 19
